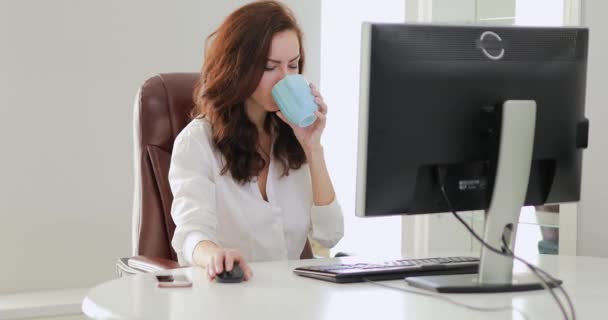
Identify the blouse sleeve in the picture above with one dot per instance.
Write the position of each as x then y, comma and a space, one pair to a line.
192, 183
327, 223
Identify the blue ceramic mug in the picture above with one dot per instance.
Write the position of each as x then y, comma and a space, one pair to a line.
295, 100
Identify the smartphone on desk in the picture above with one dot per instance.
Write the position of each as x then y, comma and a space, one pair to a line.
169, 281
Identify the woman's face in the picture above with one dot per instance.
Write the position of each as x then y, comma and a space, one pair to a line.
282, 60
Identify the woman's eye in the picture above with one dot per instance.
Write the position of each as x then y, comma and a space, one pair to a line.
293, 67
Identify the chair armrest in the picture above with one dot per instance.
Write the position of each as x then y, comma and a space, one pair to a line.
143, 264
151, 264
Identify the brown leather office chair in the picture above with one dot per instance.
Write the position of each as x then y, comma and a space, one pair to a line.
161, 111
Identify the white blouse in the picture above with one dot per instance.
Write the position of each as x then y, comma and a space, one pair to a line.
210, 206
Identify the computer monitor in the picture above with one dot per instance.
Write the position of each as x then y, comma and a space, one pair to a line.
495, 113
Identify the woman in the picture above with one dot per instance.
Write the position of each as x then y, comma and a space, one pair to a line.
248, 185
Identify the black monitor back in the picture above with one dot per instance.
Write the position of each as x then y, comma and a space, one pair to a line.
433, 96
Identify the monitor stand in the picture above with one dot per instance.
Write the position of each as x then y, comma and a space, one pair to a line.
512, 175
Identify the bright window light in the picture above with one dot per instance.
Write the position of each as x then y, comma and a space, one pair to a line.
539, 12
340, 51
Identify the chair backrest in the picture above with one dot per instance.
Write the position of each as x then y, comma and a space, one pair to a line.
162, 110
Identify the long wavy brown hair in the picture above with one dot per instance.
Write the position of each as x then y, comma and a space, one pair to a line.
235, 58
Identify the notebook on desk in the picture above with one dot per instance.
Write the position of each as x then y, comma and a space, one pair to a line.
390, 270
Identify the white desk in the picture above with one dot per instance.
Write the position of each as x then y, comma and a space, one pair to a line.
276, 293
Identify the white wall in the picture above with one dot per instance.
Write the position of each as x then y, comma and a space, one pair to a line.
69, 73
593, 208
495, 9
450, 11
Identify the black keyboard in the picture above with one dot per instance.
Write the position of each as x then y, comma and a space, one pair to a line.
390, 270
